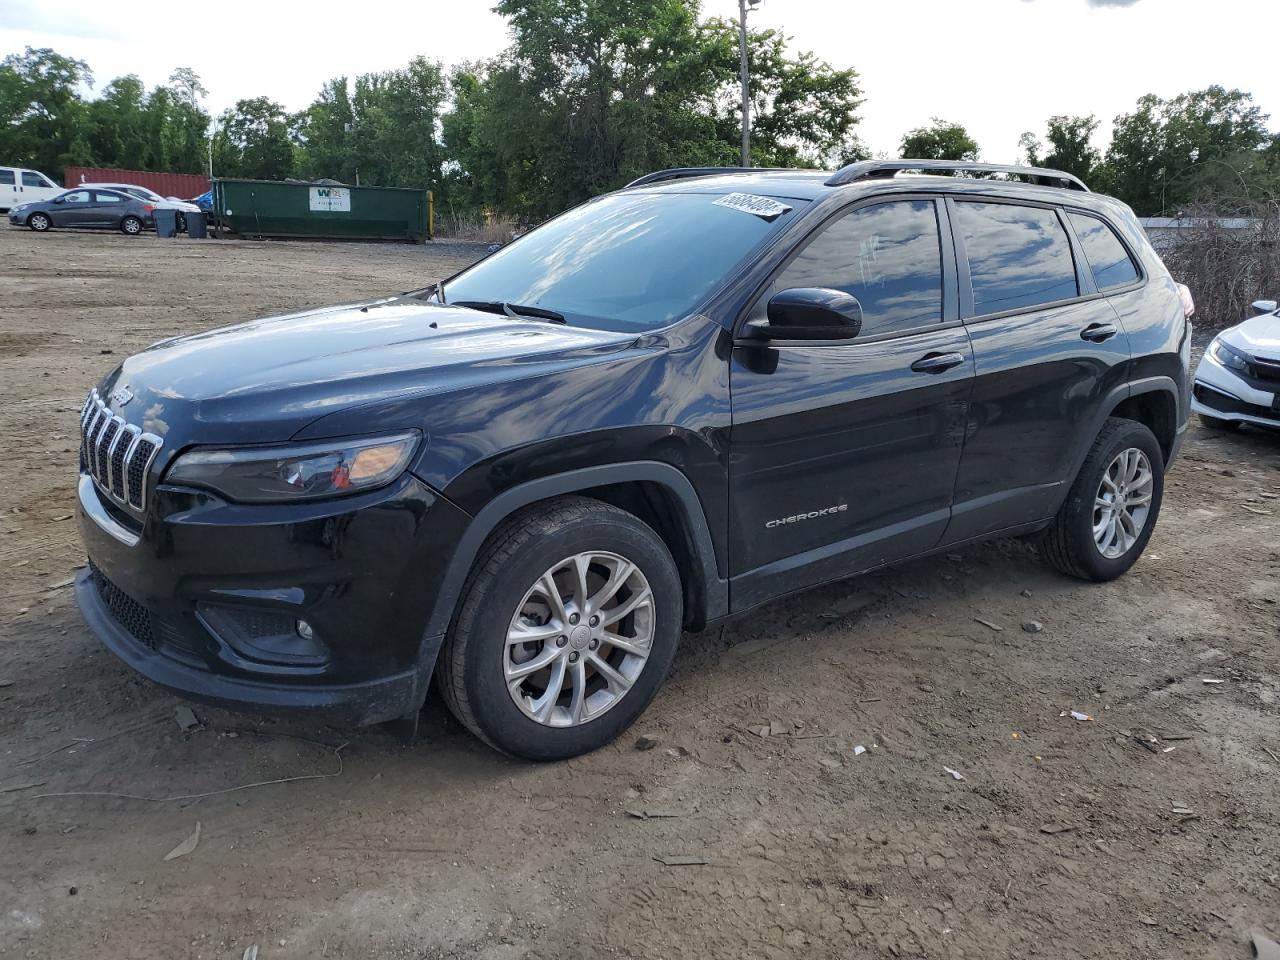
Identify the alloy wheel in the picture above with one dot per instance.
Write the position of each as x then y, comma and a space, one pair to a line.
579, 639
1122, 502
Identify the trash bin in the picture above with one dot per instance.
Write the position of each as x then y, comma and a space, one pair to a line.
166, 222
197, 225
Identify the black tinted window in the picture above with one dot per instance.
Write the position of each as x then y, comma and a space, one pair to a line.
6, 176
887, 255
32, 179
1108, 259
1018, 256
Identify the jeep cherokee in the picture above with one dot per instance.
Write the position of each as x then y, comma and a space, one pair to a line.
664, 407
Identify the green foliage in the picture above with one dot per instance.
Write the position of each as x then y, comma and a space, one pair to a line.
592, 93
41, 113
384, 130
253, 141
1168, 153
1070, 147
941, 140
45, 123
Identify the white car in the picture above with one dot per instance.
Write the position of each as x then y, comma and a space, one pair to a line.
24, 186
1238, 379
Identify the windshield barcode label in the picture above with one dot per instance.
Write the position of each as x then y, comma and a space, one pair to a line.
765, 207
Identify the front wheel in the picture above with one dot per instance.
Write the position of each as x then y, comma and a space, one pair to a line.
1104, 524
131, 225
568, 625
39, 222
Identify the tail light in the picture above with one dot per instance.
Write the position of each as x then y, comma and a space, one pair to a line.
148, 207
1188, 302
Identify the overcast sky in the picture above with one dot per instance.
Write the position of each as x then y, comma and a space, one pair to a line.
997, 66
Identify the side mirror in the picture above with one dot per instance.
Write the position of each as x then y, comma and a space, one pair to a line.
810, 313
1263, 306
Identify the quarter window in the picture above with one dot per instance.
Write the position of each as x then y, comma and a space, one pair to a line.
1108, 259
887, 255
1018, 256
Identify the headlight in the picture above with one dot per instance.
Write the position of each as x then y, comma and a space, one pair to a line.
1230, 358
327, 468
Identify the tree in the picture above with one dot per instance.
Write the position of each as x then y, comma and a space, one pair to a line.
41, 112
1168, 152
592, 93
1070, 146
253, 141
803, 111
941, 140
185, 82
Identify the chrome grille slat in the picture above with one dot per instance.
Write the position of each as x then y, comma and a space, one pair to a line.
117, 455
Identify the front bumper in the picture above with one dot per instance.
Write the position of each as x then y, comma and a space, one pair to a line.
1220, 393
193, 596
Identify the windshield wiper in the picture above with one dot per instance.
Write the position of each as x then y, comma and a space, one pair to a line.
517, 310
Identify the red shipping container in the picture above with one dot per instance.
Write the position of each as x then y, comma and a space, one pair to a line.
184, 186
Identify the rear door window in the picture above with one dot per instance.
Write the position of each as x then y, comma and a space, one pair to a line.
887, 255
1108, 259
6, 178
105, 196
1019, 257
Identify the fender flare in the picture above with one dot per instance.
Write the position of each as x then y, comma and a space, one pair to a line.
1116, 396
574, 481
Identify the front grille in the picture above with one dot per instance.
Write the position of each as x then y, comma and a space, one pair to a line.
116, 454
129, 613
1266, 370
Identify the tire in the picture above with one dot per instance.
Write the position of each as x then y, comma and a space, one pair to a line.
1070, 543
505, 593
39, 222
1214, 423
131, 225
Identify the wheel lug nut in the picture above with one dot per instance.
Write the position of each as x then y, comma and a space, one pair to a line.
594, 644
573, 657
573, 618
595, 621
561, 641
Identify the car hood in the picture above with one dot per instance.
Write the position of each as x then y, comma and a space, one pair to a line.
265, 380
1258, 336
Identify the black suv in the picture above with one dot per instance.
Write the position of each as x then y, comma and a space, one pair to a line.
660, 409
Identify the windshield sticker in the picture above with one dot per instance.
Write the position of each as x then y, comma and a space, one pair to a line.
764, 207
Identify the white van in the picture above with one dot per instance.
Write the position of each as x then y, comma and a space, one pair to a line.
22, 186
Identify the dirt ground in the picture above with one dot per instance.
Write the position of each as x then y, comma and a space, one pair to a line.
1065, 839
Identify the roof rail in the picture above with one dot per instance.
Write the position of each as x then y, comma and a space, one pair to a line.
884, 169
681, 173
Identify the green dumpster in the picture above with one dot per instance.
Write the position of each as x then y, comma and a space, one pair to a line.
269, 208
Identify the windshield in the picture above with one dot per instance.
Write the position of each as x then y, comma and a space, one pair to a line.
628, 261
143, 193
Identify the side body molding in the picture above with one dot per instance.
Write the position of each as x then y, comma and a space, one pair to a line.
694, 521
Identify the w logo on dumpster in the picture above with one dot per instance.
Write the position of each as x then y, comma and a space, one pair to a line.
331, 199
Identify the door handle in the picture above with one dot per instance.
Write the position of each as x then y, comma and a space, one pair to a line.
937, 362
1097, 332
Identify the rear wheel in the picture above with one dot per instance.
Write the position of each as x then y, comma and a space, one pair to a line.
1111, 509
131, 226
1215, 423
568, 625
39, 222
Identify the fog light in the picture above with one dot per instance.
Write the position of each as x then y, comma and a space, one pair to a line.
304, 630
